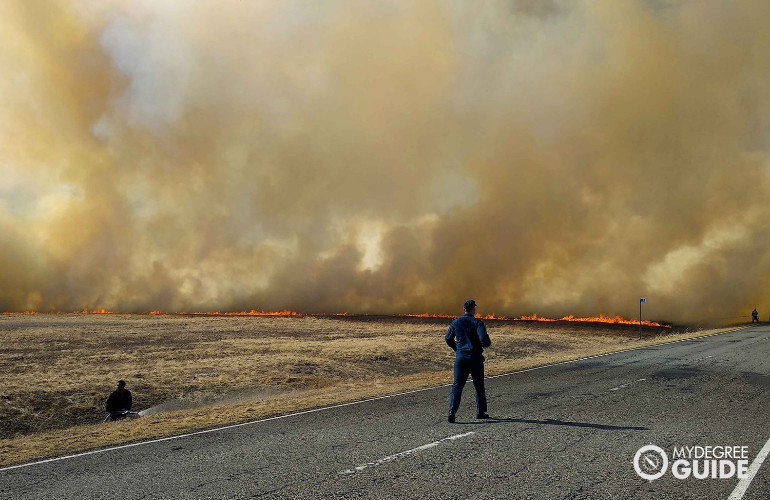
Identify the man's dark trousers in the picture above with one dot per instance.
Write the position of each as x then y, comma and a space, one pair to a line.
473, 365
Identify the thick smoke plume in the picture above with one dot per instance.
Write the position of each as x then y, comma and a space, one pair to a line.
562, 157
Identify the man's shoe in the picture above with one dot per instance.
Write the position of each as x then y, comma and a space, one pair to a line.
482, 416
450, 418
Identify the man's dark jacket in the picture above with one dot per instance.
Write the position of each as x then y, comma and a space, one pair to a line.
118, 402
467, 336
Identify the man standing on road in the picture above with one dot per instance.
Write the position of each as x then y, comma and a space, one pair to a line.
467, 336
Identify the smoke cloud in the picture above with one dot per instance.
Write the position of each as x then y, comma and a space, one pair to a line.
541, 157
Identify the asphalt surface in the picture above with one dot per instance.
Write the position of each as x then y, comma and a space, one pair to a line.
566, 431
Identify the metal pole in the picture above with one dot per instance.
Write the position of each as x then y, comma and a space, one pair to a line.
640, 319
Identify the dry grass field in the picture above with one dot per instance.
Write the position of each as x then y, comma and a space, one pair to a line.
195, 372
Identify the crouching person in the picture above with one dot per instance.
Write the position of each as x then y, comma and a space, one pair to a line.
119, 403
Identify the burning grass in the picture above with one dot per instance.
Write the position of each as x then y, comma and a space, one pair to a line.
601, 319
56, 370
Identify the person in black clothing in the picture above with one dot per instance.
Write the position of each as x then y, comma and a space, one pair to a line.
119, 401
754, 316
467, 336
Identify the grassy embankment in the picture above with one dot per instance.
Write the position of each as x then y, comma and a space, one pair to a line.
200, 372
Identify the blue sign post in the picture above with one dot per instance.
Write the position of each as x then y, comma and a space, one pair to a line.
641, 301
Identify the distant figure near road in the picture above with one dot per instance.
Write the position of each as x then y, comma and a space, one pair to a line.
754, 316
467, 336
119, 401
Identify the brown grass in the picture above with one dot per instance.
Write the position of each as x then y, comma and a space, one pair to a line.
56, 370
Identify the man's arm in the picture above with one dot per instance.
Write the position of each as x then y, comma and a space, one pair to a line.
128, 400
110, 404
481, 331
450, 338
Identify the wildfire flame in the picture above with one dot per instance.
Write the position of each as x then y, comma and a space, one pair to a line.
96, 311
267, 314
617, 320
601, 319
449, 316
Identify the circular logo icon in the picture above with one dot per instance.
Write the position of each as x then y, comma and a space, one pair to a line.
650, 462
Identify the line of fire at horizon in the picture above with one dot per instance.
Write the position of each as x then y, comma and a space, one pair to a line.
615, 320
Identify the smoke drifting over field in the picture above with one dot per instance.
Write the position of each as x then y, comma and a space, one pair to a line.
541, 157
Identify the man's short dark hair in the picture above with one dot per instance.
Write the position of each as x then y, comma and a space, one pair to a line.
469, 304
122, 383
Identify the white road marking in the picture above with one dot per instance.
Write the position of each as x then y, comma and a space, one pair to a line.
396, 456
744, 483
626, 385
324, 408
701, 359
216, 429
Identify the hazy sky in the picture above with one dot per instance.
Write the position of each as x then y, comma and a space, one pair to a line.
548, 157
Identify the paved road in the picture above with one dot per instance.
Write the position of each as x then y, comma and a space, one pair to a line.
565, 431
